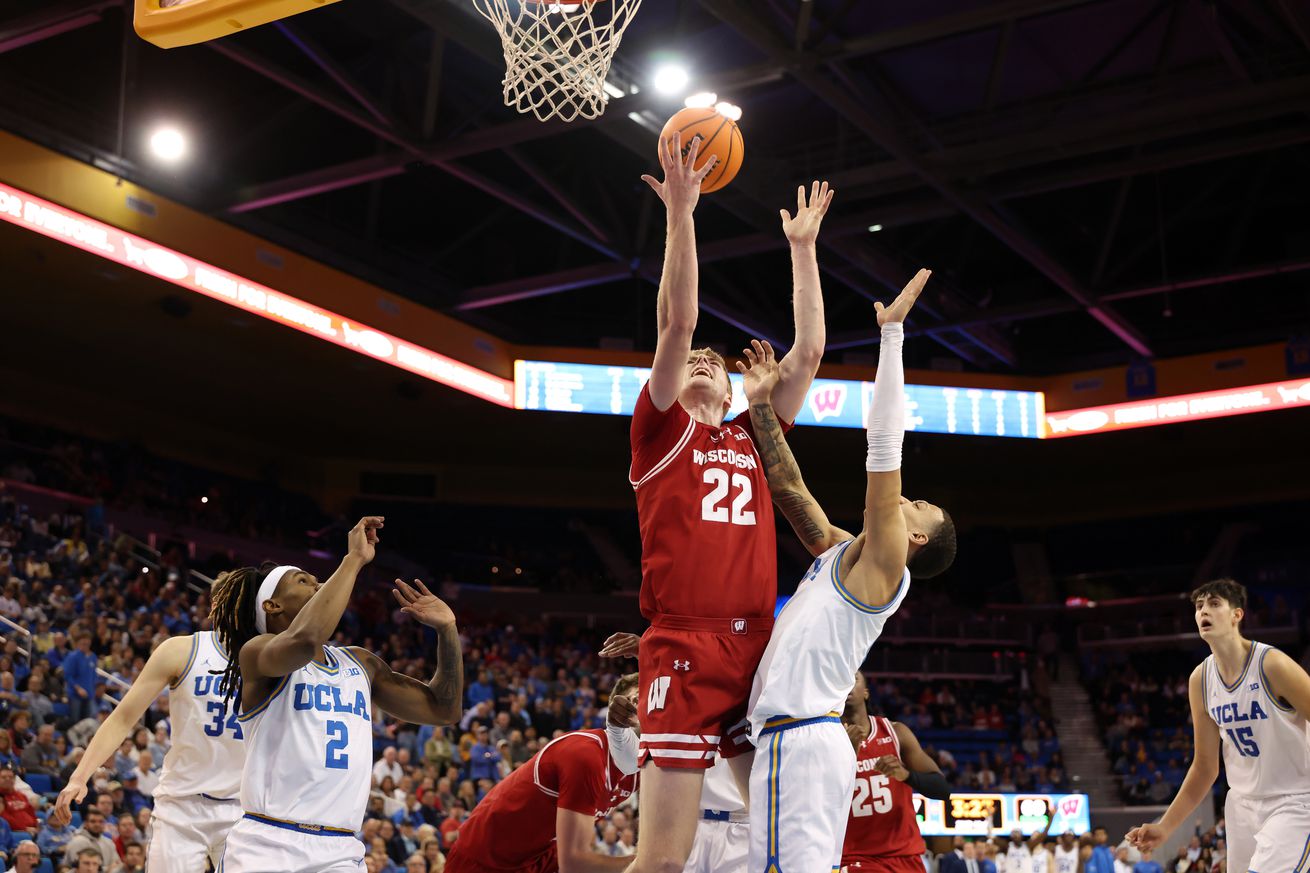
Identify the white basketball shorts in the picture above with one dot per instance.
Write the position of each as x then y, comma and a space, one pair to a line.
186, 832
1268, 834
258, 846
801, 786
719, 847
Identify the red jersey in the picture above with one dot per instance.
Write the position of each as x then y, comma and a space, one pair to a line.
514, 825
882, 823
706, 517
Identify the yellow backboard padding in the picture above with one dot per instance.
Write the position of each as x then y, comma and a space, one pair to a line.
194, 21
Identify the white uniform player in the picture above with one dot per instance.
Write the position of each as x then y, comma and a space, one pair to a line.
1266, 749
1041, 860
1018, 857
1251, 703
803, 775
1066, 860
723, 834
309, 761
196, 801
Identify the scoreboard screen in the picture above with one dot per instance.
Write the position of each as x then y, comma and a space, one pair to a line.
981, 813
612, 390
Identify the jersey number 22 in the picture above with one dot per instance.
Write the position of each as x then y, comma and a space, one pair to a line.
712, 506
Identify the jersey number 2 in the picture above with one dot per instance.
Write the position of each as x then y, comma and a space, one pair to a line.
215, 727
711, 506
337, 759
872, 788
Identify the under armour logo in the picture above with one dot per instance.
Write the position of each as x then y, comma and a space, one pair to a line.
739, 625
681, 665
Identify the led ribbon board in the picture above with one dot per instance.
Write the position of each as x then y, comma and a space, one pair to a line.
1184, 407
140, 254
611, 390
985, 813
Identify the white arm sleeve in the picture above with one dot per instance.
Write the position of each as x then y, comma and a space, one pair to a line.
887, 411
623, 748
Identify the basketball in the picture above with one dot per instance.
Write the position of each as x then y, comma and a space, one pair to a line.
718, 135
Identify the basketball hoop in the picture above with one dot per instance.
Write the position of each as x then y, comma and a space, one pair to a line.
558, 54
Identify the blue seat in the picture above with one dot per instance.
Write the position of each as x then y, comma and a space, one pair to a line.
40, 782
75, 819
46, 866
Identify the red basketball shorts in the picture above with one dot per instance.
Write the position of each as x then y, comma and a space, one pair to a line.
696, 676
893, 864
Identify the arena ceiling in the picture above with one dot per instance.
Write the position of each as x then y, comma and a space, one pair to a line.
1092, 182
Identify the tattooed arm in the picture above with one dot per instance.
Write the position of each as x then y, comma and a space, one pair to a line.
793, 499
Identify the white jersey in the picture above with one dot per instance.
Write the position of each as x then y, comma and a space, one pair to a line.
1266, 743
309, 746
720, 792
207, 751
819, 641
1066, 860
1018, 858
1042, 861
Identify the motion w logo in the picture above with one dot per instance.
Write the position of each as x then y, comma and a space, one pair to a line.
659, 690
828, 401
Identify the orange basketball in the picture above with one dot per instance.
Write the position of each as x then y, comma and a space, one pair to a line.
718, 135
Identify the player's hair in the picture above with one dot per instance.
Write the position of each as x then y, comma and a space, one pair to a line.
934, 557
709, 352
232, 611
1229, 589
624, 685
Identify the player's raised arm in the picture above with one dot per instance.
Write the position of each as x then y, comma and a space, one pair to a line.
761, 375
279, 653
165, 666
881, 562
677, 307
1200, 775
441, 700
802, 360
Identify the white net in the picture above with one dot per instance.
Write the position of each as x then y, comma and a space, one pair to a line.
557, 55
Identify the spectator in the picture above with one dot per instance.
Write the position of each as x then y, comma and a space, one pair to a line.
1102, 857
52, 840
433, 855
91, 838
1121, 862
88, 861
144, 773
415, 864
127, 834
134, 859
7, 757
483, 757
18, 812
387, 766
1147, 865
438, 751
160, 743
41, 756
36, 701
27, 857
80, 678
20, 730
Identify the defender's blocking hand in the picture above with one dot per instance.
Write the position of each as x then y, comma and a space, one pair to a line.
761, 374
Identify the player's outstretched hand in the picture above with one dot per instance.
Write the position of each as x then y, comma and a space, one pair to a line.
761, 373
680, 189
904, 301
62, 814
363, 537
422, 605
891, 767
803, 229
620, 645
1147, 836
623, 712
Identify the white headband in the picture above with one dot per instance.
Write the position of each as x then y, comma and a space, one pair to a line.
266, 589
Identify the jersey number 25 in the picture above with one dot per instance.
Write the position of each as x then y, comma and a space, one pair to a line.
712, 506
871, 795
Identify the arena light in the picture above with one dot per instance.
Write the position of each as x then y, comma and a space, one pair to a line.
168, 144
602, 389
77, 230
701, 100
730, 111
874, 228
1183, 407
671, 79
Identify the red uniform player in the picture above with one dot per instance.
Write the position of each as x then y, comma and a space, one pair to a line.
547, 808
709, 569
882, 833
